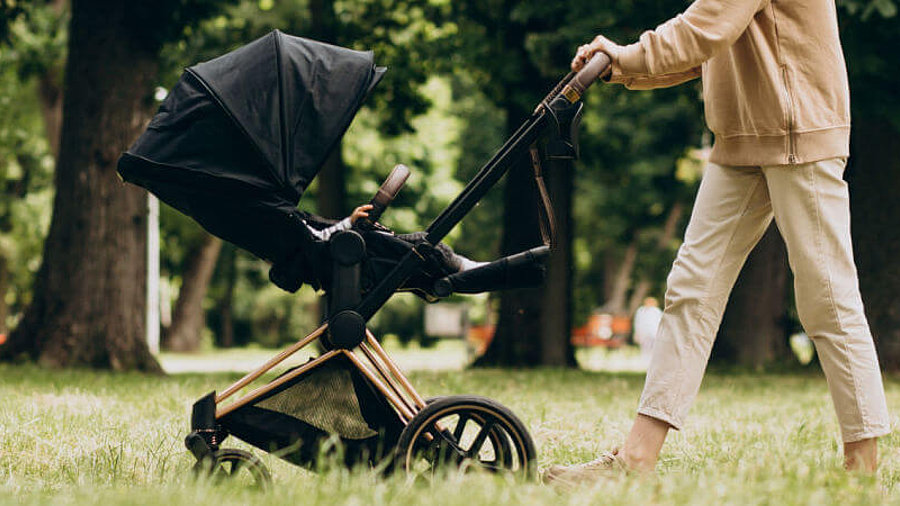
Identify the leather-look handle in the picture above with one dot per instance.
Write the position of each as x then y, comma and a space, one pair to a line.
389, 189
594, 69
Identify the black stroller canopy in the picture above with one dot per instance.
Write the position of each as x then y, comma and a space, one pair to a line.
240, 137
293, 98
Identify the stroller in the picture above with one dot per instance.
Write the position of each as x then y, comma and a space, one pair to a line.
234, 145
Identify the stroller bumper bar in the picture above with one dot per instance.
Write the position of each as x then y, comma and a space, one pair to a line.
521, 270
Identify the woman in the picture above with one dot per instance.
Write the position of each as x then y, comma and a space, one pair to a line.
776, 97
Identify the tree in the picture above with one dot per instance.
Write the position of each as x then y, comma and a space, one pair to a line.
754, 328
874, 168
188, 318
88, 307
498, 33
31, 59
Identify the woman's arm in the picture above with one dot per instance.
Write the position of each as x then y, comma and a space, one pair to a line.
651, 82
681, 43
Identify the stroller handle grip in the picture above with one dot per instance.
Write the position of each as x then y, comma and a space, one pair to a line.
388, 191
594, 69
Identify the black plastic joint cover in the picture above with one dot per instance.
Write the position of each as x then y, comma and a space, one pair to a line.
562, 143
203, 414
347, 248
346, 330
443, 287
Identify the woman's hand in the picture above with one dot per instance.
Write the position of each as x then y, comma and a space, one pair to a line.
587, 51
360, 212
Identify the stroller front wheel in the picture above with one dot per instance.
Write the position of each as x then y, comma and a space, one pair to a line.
469, 432
234, 466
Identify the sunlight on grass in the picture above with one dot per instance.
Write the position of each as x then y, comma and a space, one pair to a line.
446, 355
80, 437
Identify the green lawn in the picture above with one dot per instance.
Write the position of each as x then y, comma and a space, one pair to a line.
79, 437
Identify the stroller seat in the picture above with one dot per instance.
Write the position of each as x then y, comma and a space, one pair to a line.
439, 276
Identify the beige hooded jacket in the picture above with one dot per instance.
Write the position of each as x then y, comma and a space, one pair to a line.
774, 78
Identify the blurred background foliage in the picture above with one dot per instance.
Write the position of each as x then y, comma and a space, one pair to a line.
461, 76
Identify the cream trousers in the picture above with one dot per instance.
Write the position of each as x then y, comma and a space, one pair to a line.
810, 205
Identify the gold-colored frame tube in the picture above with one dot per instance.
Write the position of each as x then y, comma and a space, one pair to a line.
392, 383
275, 384
394, 369
277, 359
386, 377
405, 413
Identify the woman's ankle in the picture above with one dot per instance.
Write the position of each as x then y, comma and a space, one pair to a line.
861, 455
643, 444
638, 461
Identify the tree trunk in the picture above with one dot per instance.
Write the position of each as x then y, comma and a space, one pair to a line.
188, 319
526, 334
753, 329
642, 288
331, 199
518, 337
332, 194
90, 292
50, 94
622, 282
4, 287
534, 324
556, 306
51, 100
874, 176
225, 306
323, 21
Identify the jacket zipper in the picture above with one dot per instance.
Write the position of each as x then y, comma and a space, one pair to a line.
792, 157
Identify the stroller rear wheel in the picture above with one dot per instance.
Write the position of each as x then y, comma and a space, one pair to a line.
469, 432
235, 466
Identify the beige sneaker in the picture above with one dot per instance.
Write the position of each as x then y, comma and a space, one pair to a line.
569, 477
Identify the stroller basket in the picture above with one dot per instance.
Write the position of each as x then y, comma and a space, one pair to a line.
328, 411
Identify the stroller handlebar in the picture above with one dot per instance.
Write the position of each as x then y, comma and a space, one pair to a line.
582, 80
388, 191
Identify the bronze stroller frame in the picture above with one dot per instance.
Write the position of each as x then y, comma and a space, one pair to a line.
560, 112
234, 145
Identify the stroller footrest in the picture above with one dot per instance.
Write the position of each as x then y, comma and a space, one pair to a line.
522, 270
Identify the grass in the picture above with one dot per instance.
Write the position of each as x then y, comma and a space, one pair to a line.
81, 437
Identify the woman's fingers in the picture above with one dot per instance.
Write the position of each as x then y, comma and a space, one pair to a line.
587, 51
584, 54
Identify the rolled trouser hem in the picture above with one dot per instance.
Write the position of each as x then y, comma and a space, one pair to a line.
853, 437
661, 416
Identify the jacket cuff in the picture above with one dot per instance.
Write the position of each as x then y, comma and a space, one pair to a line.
615, 75
632, 59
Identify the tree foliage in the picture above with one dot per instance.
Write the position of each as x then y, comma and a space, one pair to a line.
461, 75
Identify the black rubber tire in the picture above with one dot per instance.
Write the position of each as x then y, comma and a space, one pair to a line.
512, 444
497, 439
227, 464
